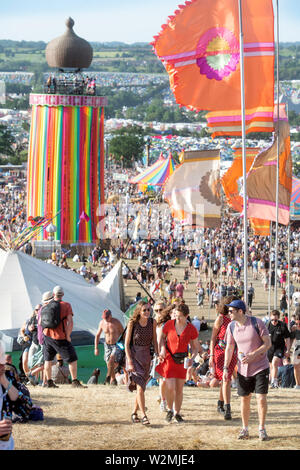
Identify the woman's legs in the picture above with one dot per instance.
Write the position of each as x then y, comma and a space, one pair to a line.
179, 383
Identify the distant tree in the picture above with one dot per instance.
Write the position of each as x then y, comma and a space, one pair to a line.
7, 141
128, 144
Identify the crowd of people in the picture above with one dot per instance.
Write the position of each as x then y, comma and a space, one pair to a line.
161, 343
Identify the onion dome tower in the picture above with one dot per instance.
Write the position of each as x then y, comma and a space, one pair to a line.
69, 51
65, 177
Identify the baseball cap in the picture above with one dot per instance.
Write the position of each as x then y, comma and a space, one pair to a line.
239, 304
2, 353
58, 290
106, 313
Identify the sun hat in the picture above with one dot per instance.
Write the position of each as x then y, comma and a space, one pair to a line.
239, 304
47, 296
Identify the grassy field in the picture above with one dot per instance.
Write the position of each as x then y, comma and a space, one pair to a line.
99, 417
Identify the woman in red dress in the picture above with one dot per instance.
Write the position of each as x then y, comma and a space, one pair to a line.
176, 337
217, 355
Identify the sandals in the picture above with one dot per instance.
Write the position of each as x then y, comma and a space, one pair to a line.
135, 418
145, 421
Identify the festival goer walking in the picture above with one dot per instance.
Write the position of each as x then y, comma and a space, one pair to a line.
280, 345
58, 340
177, 336
112, 329
140, 335
217, 354
252, 339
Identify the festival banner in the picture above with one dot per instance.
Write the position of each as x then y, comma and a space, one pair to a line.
66, 169
199, 47
229, 123
193, 190
231, 180
260, 227
261, 180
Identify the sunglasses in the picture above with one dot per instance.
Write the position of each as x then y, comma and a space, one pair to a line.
232, 310
158, 310
146, 310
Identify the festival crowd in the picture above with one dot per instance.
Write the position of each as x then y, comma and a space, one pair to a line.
160, 345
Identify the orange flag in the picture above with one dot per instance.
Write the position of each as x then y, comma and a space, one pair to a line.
260, 227
230, 180
199, 47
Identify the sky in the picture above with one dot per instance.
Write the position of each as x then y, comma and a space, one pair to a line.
127, 21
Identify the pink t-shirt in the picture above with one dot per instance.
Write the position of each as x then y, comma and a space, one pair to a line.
179, 290
247, 340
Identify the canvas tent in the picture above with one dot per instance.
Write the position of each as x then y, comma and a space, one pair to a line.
23, 280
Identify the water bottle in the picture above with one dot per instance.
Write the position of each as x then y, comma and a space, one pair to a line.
186, 363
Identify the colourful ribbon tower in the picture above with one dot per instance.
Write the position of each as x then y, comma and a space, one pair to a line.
66, 150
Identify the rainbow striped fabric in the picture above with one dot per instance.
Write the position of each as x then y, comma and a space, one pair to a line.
157, 174
66, 169
257, 120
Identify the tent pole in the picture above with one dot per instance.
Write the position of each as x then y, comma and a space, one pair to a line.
277, 165
242, 79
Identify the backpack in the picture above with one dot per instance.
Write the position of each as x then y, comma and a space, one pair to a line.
50, 315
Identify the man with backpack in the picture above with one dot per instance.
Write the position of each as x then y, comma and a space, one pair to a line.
251, 337
57, 324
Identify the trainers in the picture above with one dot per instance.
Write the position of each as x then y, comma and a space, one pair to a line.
244, 434
178, 418
51, 384
77, 384
274, 385
297, 387
263, 436
169, 416
163, 406
114, 382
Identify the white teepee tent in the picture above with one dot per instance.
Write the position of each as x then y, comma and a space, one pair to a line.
24, 279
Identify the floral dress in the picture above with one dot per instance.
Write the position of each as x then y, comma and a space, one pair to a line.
219, 351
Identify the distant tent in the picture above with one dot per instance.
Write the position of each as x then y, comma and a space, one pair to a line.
157, 174
24, 279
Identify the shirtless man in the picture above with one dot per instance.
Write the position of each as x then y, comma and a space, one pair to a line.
112, 329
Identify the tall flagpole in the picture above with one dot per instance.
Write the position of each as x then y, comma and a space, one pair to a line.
242, 78
270, 269
277, 166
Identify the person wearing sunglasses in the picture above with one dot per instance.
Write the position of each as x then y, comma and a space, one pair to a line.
295, 337
140, 335
251, 337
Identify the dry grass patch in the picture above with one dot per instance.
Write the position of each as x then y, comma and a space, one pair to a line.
99, 418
